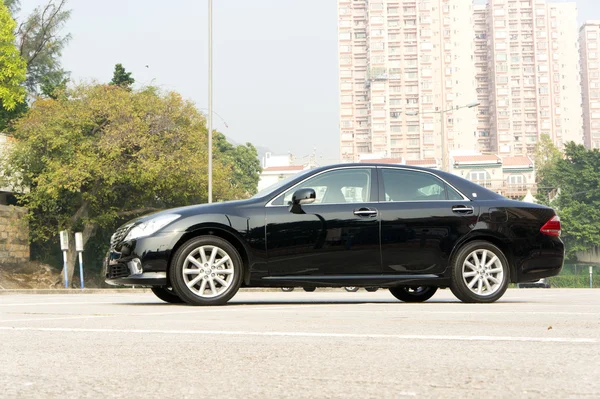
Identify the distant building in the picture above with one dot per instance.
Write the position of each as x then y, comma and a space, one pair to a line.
589, 38
270, 159
511, 176
5, 192
400, 63
527, 74
273, 174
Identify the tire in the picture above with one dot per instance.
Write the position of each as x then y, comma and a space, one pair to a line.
413, 294
309, 289
204, 282
372, 289
351, 289
287, 289
166, 294
466, 270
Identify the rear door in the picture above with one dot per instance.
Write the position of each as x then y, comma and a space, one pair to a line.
422, 218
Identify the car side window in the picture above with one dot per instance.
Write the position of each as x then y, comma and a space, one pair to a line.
408, 185
335, 187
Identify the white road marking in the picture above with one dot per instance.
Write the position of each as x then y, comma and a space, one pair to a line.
61, 303
196, 311
479, 314
309, 334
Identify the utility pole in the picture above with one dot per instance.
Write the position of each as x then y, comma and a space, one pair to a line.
444, 143
443, 130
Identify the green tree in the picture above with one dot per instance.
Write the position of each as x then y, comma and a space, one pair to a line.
244, 163
546, 156
577, 175
41, 43
122, 78
99, 155
12, 66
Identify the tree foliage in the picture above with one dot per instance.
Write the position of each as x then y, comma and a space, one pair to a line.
12, 66
243, 161
98, 155
40, 43
122, 78
546, 156
577, 175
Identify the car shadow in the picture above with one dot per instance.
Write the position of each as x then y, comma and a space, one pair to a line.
234, 303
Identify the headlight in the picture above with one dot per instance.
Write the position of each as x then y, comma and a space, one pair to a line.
150, 226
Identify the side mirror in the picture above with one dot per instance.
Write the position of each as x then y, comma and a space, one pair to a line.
304, 196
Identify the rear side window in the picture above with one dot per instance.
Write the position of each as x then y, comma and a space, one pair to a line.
408, 185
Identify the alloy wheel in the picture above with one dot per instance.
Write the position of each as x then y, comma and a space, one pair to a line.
208, 271
482, 272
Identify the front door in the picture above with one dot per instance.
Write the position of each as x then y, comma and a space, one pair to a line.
422, 218
337, 234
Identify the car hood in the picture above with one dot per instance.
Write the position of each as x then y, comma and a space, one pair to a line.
215, 207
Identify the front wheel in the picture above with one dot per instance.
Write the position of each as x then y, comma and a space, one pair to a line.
371, 289
206, 270
166, 294
351, 289
413, 294
480, 273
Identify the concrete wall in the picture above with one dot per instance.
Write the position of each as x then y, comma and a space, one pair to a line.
14, 237
591, 256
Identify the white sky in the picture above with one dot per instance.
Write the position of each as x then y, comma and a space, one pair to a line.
275, 61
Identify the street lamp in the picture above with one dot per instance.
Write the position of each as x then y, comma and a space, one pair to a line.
210, 111
220, 117
441, 113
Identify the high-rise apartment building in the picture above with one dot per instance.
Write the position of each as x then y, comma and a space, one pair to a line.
589, 37
532, 80
402, 63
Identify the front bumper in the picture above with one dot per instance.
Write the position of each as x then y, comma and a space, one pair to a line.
141, 262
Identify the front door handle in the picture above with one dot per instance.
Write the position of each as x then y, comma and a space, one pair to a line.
365, 212
463, 209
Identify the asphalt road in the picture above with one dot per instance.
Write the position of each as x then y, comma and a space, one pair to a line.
534, 343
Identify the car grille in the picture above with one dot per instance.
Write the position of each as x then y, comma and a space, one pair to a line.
119, 235
116, 271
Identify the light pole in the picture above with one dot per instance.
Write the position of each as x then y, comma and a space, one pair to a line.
220, 117
443, 131
210, 111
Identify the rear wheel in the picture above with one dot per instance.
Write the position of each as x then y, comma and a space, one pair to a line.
351, 289
206, 270
413, 294
287, 289
480, 273
371, 289
166, 294
309, 289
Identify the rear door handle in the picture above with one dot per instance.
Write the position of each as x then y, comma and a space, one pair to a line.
463, 209
365, 212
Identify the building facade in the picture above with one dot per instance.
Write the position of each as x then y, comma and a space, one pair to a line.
529, 75
589, 37
401, 63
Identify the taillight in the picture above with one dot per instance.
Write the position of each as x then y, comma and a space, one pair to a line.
552, 227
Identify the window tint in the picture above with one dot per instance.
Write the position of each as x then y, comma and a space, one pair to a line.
335, 187
406, 185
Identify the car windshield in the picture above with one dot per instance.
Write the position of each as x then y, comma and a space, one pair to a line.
273, 188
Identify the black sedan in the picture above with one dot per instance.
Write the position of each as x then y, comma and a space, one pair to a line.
411, 230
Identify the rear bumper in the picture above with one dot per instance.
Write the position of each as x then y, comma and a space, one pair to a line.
544, 261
